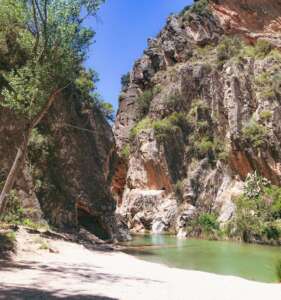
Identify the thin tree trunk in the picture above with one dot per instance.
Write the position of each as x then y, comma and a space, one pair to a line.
9, 183
11, 178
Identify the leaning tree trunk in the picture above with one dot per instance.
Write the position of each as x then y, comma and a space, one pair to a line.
22, 150
11, 178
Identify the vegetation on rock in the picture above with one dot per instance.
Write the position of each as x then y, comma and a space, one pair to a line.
43, 44
258, 211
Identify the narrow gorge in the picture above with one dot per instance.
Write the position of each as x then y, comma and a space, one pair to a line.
180, 188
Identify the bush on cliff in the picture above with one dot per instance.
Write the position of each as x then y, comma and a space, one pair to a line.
258, 211
254, 134
125, 81
228, 48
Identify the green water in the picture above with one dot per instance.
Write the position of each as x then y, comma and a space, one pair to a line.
253, 262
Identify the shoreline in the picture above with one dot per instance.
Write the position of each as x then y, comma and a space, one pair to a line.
77, 273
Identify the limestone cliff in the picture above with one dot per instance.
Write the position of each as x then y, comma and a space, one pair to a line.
201, 111
65, 177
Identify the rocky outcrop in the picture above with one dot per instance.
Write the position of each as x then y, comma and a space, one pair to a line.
201, 111
65, 178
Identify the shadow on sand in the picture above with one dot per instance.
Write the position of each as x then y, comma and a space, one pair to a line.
19, 293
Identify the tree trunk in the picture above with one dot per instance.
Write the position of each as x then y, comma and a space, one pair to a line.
11, 178
9, 183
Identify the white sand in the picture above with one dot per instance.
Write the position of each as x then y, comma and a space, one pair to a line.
76, 273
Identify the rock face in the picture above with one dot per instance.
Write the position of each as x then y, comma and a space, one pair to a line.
201, 111
65, 179
253, 18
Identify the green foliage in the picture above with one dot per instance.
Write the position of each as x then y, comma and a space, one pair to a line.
7, 243
263, 79
125, 152
107, 109
204, 146
184, 10
170, 125
206, 225
144, 124
125, 80
54, 41
199, 7
275, 54
208, 222
265, 115
228, 47
274, 194
254, 133
162, 128
254, 185
14, 211
268, 84
258, 212
36, 226
262, 48
144, 101
39, 145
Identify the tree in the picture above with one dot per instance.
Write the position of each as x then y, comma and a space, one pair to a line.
49, 43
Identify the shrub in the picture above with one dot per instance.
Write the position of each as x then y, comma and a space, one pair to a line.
265, 115
262, 48
228, 48
125, 152
125, 80
163, 129
207, 226
248, 223
204, 146
254, 133
263, 80
268, 84
7, 244
258, 211
184, 10
144, 124
275, 54
180, 120
255, 184
14, 211
107, 110
200, 7
170, 125
274, 193
144, 101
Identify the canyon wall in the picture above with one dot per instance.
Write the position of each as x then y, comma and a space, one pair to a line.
200, 111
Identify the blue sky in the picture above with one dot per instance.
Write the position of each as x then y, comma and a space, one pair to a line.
122, 28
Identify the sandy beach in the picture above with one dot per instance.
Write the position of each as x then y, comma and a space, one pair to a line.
77, 273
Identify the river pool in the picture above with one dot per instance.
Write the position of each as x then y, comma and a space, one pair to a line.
249, 261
